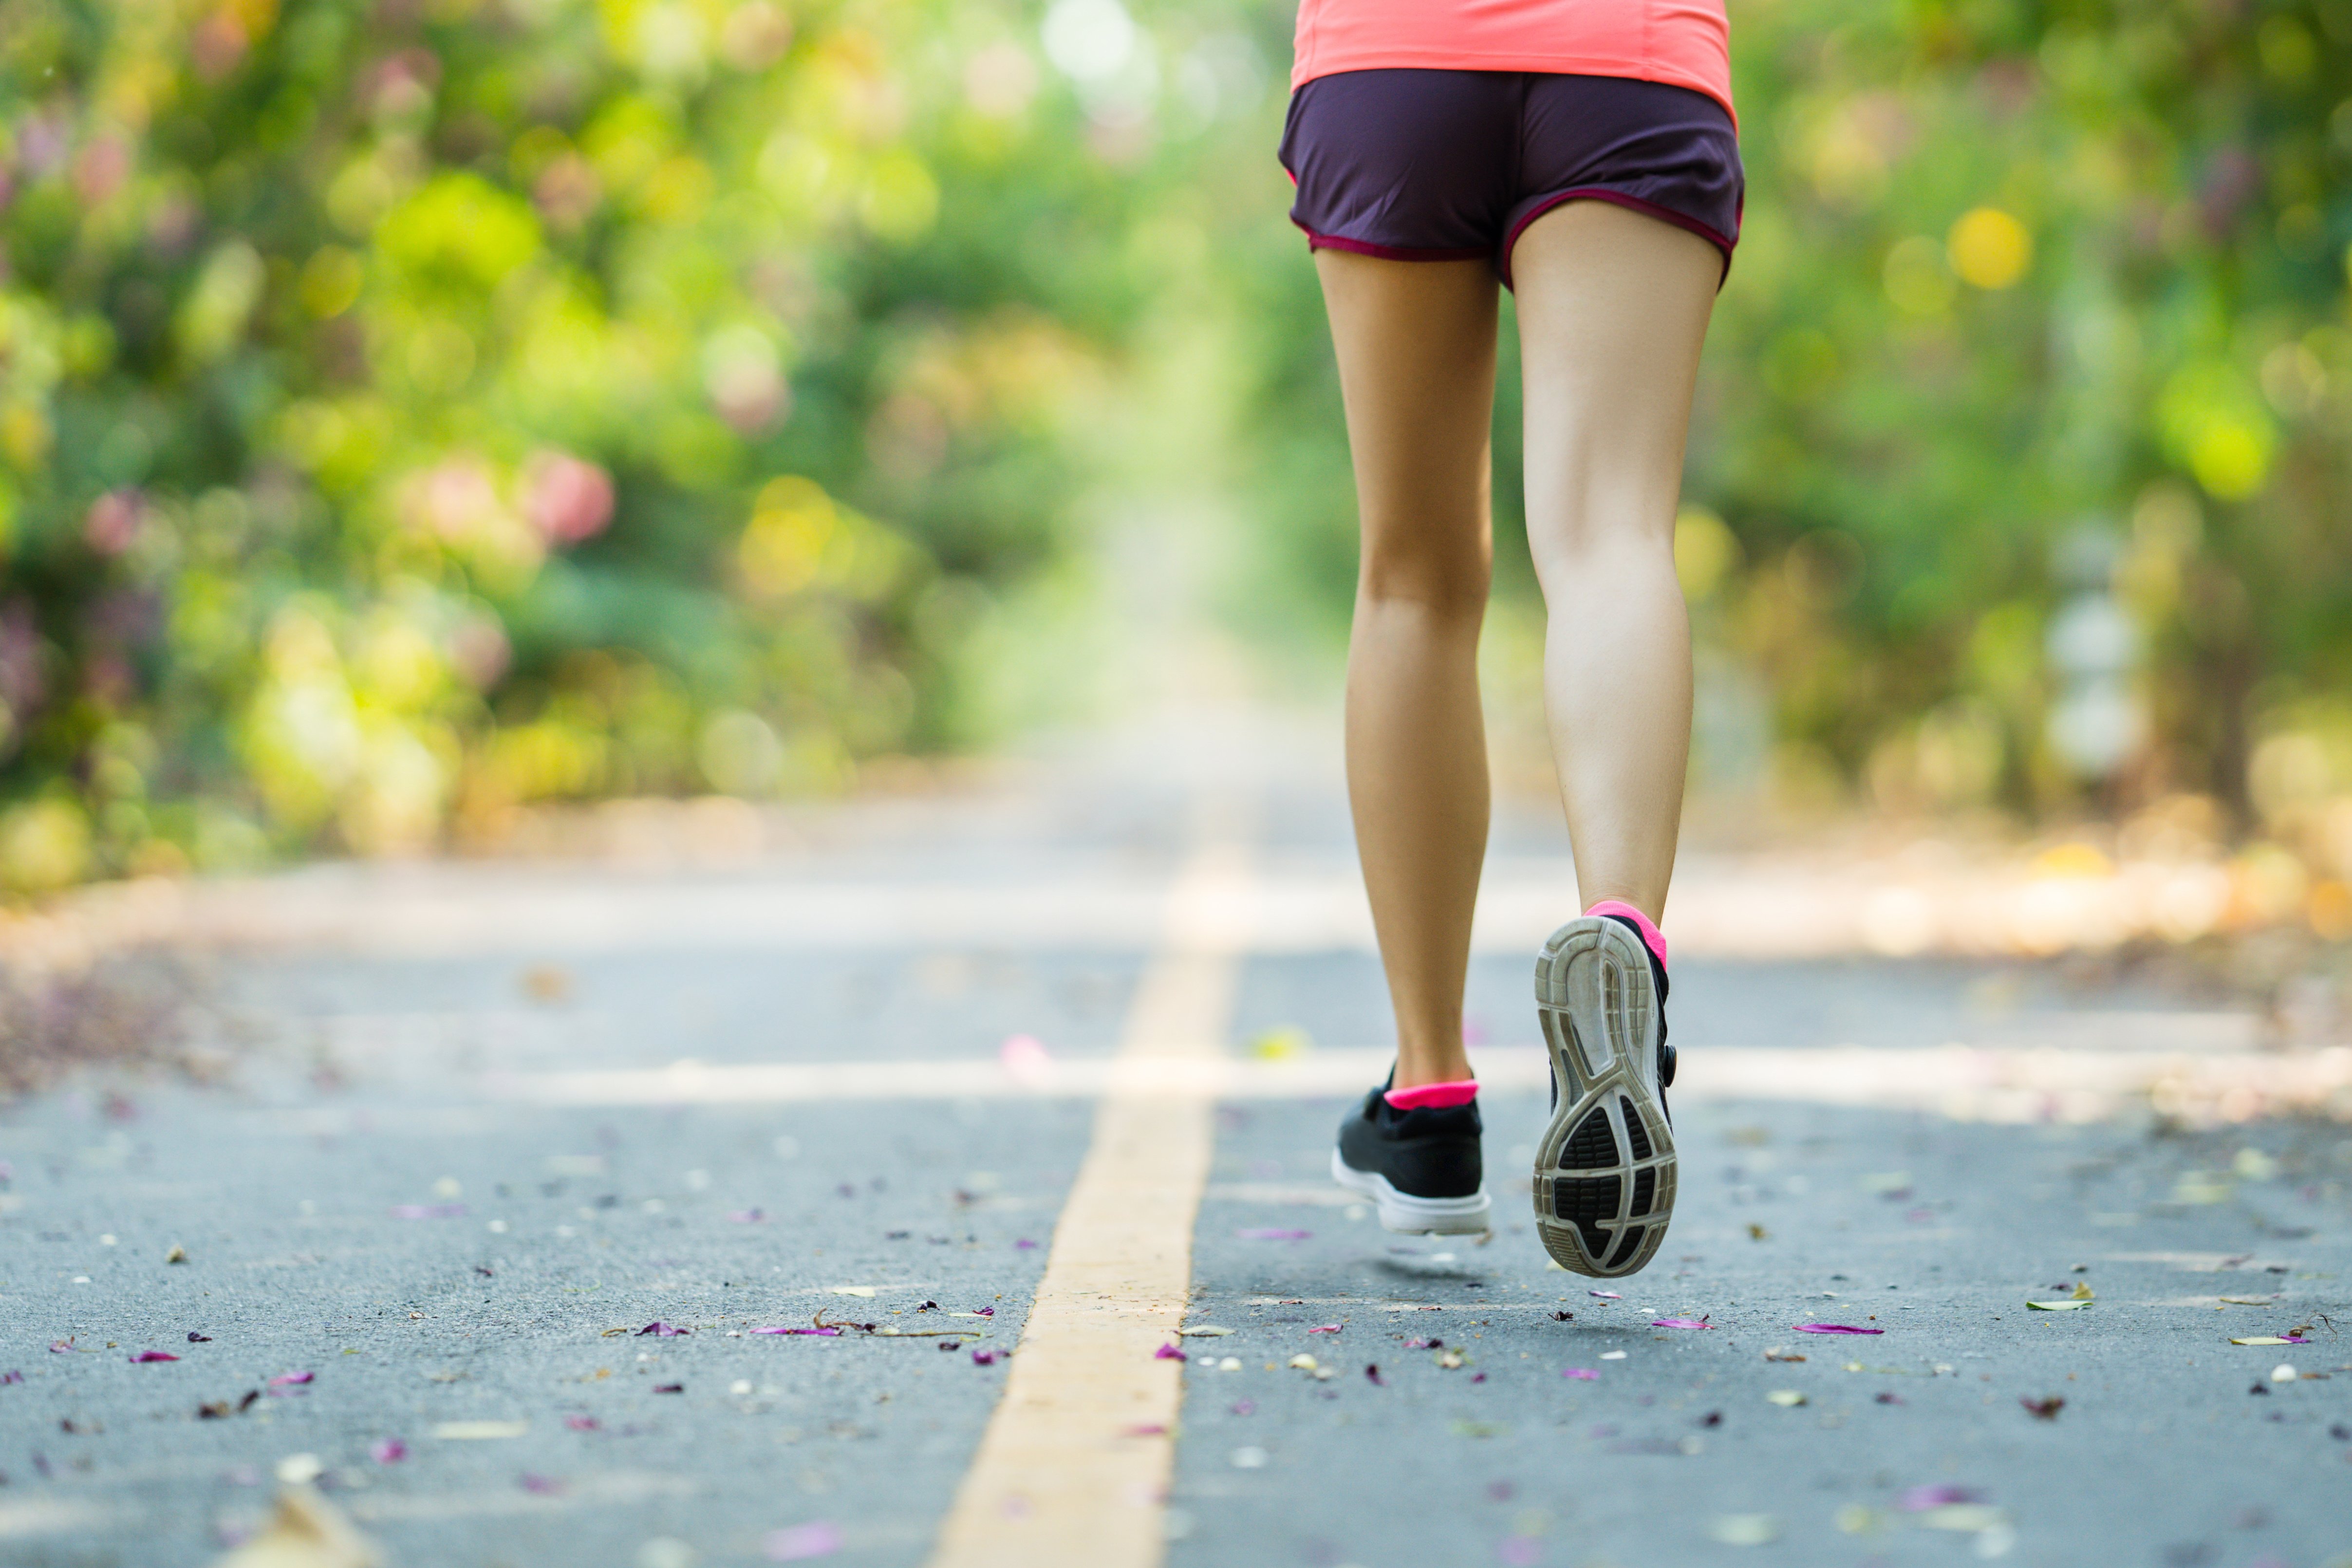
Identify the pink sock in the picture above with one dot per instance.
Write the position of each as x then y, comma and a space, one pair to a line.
1650, 933
1441, 1095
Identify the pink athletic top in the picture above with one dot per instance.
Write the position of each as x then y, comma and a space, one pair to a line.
1685, 43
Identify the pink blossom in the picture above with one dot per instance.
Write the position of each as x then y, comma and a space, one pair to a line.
567, 498
111, 524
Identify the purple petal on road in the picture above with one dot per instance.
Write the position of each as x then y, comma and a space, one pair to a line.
152, 1355
983, 1358
1606, 1295
1024, 1245
826, 1333
1270, 1234
748, 1216
1166, 1352
1583, 1373
800, 1543
544, 1486
1833, 1329
388, 1451
12, 1376
662, 1330
1325, 1328
289, 1379
984, 1312
1919, 1499
62, 1347
582, 1423
428, 1211
1244, 1407
1680, 1323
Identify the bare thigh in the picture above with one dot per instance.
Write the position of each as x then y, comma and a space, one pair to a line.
1613, 308
1416, 351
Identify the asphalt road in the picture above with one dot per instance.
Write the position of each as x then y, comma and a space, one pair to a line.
431, 1295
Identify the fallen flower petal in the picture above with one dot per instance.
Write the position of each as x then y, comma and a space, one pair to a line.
62, 1347
1166, 1352
582, 1423
543, 1486
662, 1330
1582, 1373
1372, 1373
388, 1451
2043, 1409
1833, 1329
802, 1540
1265, 1233
289, 1379
428, 1211
1606, 1295
152, 1355
746, 1216
983, 1358
196, 1339
826, 1333
984, 1312
1680, 1323
670, 1388
1325, 1328
1024, 1245
12, 1376
1919, 1499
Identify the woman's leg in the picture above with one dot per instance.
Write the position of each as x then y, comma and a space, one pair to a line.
1613, 306
1417, 346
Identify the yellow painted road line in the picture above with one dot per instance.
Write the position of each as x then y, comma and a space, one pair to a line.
1074, 1467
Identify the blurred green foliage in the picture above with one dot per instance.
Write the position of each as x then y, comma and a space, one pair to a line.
414, 409
410, 410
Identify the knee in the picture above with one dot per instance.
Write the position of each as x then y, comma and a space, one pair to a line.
1444, 585
1582, 550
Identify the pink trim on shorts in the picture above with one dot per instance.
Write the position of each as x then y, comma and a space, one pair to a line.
1385, 252
1442, 1095
1651, 934
1635, 204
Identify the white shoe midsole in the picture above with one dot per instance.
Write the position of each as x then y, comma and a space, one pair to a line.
1409, 1215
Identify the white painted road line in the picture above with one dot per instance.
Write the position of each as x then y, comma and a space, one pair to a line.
1967, 1083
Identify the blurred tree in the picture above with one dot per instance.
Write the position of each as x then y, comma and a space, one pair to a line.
414, 408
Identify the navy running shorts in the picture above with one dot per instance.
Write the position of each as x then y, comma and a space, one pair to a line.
1452, 165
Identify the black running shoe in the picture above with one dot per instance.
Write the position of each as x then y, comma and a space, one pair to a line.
1604, 1179
1421, 1167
